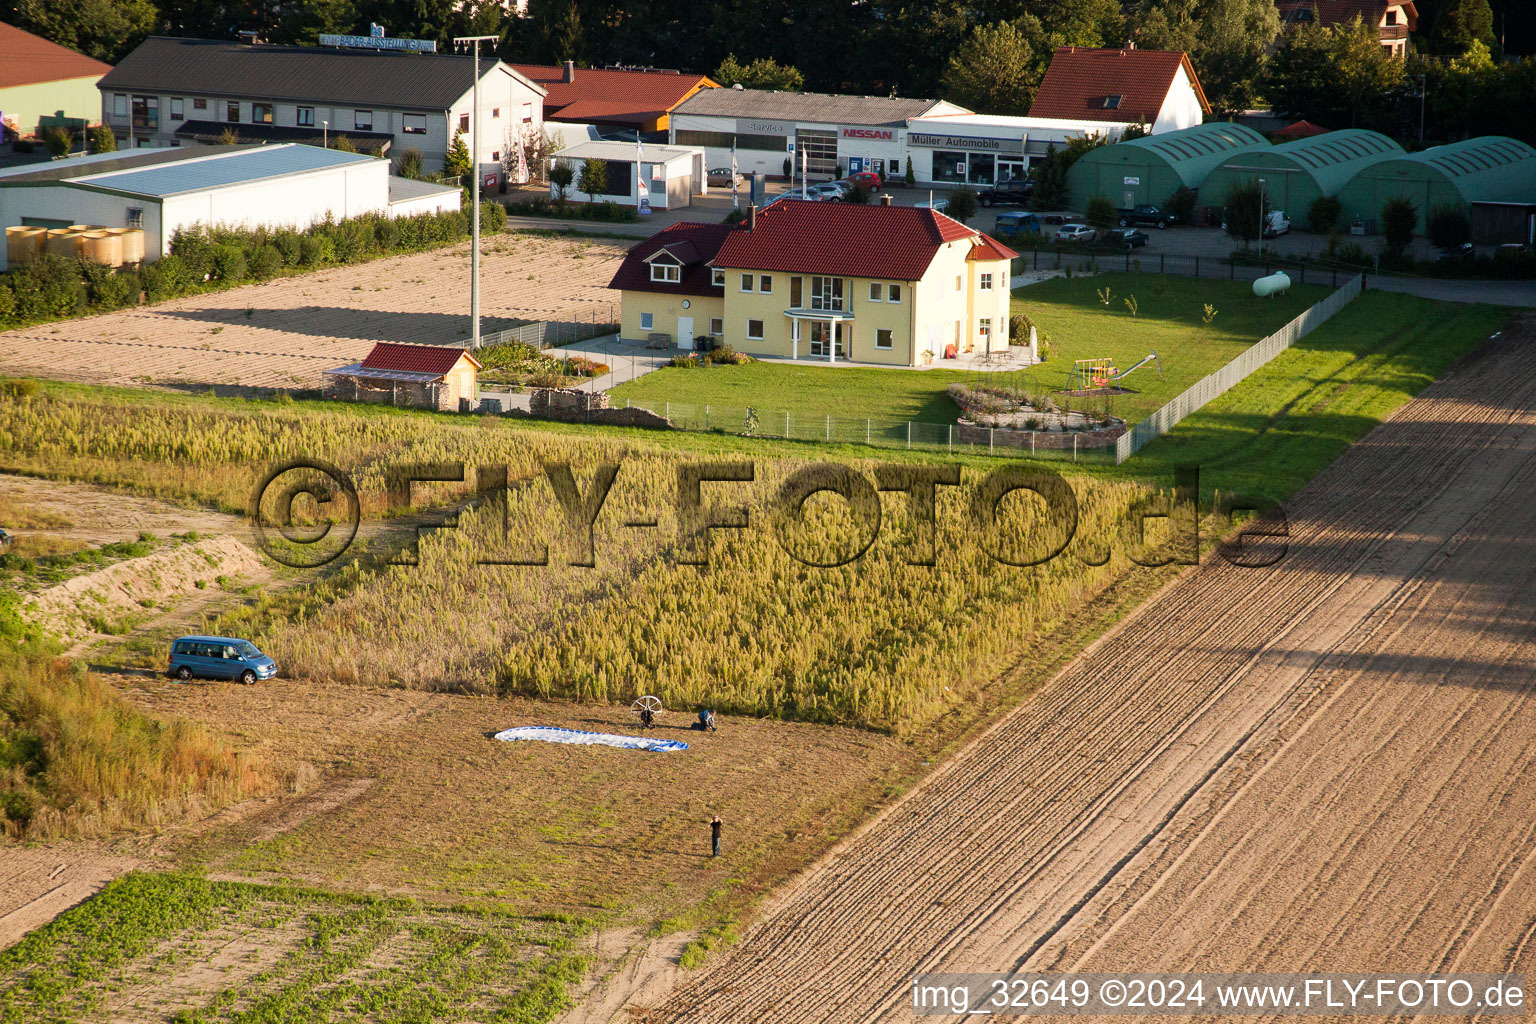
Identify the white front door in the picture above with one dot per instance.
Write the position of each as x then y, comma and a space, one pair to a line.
685, 332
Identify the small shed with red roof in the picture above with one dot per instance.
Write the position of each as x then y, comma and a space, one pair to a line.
640, 98
441, 377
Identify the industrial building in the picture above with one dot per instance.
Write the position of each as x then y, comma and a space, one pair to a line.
1297, 173
42, 82
1487, 169
1149, 169
162, 190
171, 92
982, 149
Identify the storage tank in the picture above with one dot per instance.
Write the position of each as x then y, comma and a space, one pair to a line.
102, 246
22, 243
64, 241
1275, 284
133, 243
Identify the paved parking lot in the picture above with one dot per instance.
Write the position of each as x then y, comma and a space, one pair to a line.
282, 334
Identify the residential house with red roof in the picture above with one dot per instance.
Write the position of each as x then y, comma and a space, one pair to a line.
42, 79
441, 377
1393, 20
637, 98
822, 282
1156, 87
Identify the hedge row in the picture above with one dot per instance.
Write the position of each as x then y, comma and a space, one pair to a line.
53, 287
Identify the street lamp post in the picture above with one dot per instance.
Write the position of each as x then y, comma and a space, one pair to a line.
1261, 215
474, 163
325, 134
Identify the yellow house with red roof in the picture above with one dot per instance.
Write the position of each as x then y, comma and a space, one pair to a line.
822, 282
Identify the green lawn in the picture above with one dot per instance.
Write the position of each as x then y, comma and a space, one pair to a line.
1070, 315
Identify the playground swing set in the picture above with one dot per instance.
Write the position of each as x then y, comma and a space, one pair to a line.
1100, 374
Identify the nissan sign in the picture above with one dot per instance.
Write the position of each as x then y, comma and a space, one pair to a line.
884, 134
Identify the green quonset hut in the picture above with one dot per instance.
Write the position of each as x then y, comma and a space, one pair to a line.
1488, 169
1151, 168
1296, 173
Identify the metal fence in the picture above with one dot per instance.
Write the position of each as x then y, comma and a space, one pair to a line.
879, 432
582, 325
1222, 380
1226, 268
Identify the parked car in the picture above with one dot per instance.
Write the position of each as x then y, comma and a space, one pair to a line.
1076, 233
936, 205
1056, 220
721, 177
219, 657
869, 179
1129, 238
1275, 225
1011, 191
1464, 251
1011, 225
1146, 216
830, 191
789, 193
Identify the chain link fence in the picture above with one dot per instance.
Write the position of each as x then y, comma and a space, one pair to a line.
580, 325
1226, 268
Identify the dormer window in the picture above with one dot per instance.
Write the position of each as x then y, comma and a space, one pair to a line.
668, 273
1112, 101
1391, 18
717, 277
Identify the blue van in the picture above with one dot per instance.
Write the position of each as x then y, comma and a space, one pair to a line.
219, 657
1015, 223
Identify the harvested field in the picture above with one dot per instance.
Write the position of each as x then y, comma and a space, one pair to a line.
282, 334
1321, 766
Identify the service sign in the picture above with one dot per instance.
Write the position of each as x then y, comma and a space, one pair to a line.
763, 127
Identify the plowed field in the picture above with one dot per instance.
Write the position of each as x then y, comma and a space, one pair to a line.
1319, 766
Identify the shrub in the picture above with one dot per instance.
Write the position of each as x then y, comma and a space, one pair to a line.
1246, 204
1324, 214
386, 235
58, 140
228, 264
1182, 204
19, 389
287, 241
195, 249
962, 204
1018, 329
1398, 218
315, 251
493, 217
683, 362
23, 146
103, 140
265, 262
7, 302
410, 163
167, 279
1353, 254
1448, 227
48, 286
1101, 212
858, 194
116, 290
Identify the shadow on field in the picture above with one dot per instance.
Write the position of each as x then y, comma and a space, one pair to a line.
359, 324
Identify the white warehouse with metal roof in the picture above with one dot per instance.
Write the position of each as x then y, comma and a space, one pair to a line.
244, 186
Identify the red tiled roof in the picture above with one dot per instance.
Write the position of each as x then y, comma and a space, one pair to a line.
989, 248
611, 96
389, 355
634, 274
30, 59
1301, 130
1340, 12
801, 237
1079, 80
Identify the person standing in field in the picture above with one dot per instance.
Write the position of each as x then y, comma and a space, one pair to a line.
715, 825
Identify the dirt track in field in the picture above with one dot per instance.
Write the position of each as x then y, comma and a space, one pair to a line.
1322, 766
285, 333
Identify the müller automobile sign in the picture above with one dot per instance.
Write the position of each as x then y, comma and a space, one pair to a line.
377, 40
958, 142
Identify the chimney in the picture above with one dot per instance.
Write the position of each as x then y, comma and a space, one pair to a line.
752, 217
885, 199
570, 72
1130, 44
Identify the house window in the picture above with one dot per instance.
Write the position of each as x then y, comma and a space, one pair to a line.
746, 282
176, 108
495, 111
755, 330
1391, 18
765, 284
984, 328
199, 104
146, 112
120, 105
826, 293
883, 338
304, 117
527, 112
232, 111
1112, 101
463, 122
876, 292
795, 295
135, 217
647, 321
893, 293
716, 326
959, 283
362, 120
717, 277
986, 282
414, 124
495, 156
261, 113
669, 273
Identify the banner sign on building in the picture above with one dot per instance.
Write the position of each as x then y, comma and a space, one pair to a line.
377, 40
1130, 180
883, 134
965, 142
744, 127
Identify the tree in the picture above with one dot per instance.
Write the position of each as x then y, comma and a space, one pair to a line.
1181, 204
1448, 227
995, 71
1245, 208
1101, 212
1227, 42
1363, 69
762, 73
1398, 219
1050, 175
1460, 25
457, 163
1324, 214
554, 30
962, 204
594, 179
1300, 81
409, 165
104, 29
59, 140
561, 175
103, 140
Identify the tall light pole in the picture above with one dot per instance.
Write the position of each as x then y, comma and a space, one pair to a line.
1261, 215
325, 134
474, 220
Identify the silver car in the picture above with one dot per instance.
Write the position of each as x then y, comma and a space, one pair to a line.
830, 191
720, 177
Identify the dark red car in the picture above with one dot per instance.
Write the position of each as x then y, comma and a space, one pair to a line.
869, 179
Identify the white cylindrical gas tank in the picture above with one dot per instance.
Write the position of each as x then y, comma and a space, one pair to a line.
1275, 284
